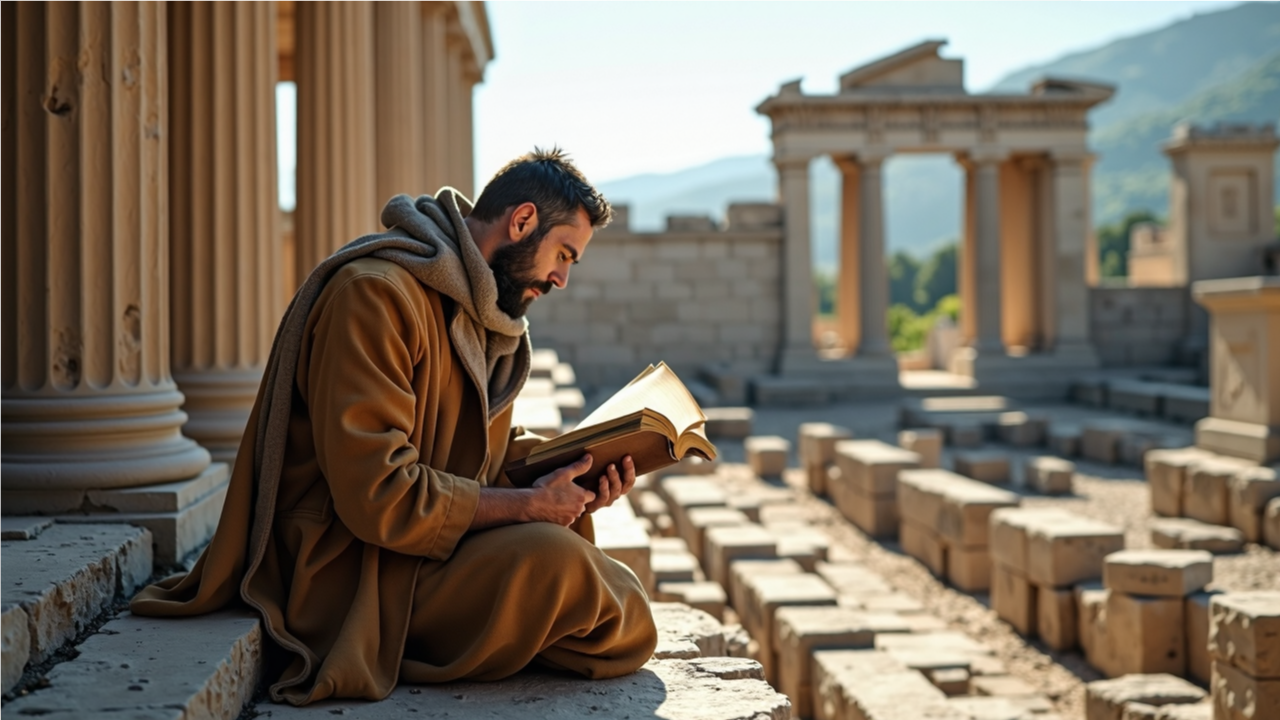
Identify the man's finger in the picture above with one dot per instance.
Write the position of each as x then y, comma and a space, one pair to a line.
615, 484
571, 471
628, 474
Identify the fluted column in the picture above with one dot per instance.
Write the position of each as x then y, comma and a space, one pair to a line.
459, 153
847, 288
336, 129
224, 241
88, 397
435, 126
798, 291
399, 70
987, 315
873, 280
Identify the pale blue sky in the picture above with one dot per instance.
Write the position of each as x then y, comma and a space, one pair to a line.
635, 87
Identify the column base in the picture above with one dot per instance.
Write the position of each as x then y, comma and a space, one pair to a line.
181, 515
1251, 441
218, 404
1046, 376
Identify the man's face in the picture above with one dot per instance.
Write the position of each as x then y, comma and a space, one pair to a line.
526, 269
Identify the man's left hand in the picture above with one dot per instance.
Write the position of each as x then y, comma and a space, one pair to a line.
616, 482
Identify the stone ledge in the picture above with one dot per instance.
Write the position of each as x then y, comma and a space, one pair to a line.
68, 576
198, 667
701, 689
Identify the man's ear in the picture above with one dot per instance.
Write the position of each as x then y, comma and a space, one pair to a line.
524, 221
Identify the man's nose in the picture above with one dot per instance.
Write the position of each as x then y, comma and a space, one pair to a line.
559, 279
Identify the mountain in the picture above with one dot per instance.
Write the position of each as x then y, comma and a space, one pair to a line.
1165, 68
1217, 66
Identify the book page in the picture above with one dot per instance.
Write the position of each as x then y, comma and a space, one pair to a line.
658, 389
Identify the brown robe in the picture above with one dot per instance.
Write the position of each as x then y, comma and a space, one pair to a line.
370, 573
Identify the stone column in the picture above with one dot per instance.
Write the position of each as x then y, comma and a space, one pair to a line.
89, 401
986, 280
336, 130
401, 104
873, 278
847, 304
459, 112
437, 108
225, 250
967, 256
798, 292
1070, 199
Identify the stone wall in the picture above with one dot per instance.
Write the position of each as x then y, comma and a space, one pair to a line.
1138, 325
692, 295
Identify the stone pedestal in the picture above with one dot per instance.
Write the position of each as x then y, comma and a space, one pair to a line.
226, 258
1244, 345
89, 402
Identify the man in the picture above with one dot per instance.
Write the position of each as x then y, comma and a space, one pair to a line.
368, 519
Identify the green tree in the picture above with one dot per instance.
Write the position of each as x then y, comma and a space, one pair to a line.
1113, 243
937, 277
903, 269
825, 283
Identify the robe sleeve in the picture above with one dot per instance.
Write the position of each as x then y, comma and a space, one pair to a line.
367, 345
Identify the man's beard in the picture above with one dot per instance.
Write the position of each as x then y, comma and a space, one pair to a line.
513, 269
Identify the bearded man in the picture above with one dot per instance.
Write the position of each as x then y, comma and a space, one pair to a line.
368, 519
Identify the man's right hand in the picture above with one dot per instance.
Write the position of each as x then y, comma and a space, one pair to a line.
557, 499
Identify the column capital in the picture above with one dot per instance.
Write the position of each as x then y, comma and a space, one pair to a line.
792, 164
988, 155
1070, 156
873, 156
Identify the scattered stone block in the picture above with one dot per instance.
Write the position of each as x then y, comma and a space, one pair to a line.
875, 516
1148, 634
989, 466
206, 666
806, 545
1008, 532
842, 689
921, 494
1019, 429
1239, 696
674, 567
570, 401
1196, 612
748, 505
963, 434
925, 442
684, 493
1064, 552
707, 596
1244, 632
1049, 475
1100, 439
15, 645
1000, 686
893, 602
924, 545
1105, 699
1271, 524
1248, 493
1205, 493
1064, 440
729, 422
767, 454
1166, 472
1091, 619
742, 570
817, 443
1056, 620
969, 568
739, 542
831, 669
1143, 711
697, 520
686, 632
63, 579
1158, 573
1188, 534
801, 630
871, 467
646, 503
966, 511
1031, 707
1013, 598
628, 543
852, 579
765, 595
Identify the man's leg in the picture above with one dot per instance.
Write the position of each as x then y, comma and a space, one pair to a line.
520, 592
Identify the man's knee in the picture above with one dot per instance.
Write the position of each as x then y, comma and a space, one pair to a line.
547, 544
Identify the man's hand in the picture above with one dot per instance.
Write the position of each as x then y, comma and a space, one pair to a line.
614, 485
556, 499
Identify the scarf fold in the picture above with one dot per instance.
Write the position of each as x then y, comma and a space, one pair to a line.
428, 238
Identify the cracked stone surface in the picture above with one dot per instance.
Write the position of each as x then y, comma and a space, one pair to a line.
686, 632
135, 667
704, 689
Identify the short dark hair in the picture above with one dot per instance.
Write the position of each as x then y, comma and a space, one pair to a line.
549, 180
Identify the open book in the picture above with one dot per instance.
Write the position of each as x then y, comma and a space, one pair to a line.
653, 419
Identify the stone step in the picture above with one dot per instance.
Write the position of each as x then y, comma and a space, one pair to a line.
58, 582
694, 689
170, 668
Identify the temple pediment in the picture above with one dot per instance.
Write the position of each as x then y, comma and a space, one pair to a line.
916, 69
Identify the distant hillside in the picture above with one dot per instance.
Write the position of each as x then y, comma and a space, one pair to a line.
1133, 174
1218, 66
1164, 68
